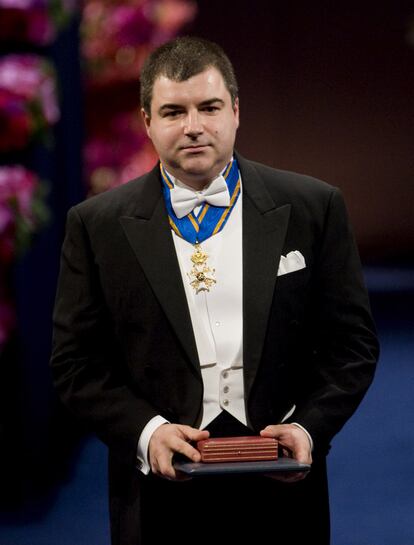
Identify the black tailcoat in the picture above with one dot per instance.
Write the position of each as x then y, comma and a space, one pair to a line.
124, 349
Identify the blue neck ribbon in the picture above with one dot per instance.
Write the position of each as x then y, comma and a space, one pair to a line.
210, 220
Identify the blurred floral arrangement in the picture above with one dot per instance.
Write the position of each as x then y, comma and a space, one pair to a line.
22, 212
28, 100
34, 22
116, 39
28, 110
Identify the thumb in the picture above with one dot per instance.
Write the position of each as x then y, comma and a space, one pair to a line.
293, 438
274, 430
193, 434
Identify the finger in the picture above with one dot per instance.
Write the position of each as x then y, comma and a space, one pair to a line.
160, 455
193, 434
181, 476
164, 466
292, 438
290, 477
168, 439
189, 434
167, 472
301, 453
182, 447
301, 447
273, 430
163, 461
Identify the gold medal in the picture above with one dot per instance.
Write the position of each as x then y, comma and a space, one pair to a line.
201, 275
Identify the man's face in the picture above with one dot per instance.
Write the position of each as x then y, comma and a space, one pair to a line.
193, 126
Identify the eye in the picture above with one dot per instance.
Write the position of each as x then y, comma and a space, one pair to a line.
172, 113
210, 109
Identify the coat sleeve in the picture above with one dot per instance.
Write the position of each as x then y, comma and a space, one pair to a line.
341, 334
85, 362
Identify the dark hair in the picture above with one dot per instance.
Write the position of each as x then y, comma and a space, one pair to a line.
182, 58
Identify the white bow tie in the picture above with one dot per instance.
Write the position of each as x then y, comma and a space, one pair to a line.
184, 200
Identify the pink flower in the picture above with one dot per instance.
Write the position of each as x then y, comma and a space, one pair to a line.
7, 237
6, 217
113, 148
16, 126
117, 37
119, 154
21, 212
17, 184
31, 25
32, 78
138, 164
41, 29
173, 14
7, 234
18, 188
34, 21
131, 24
22, 4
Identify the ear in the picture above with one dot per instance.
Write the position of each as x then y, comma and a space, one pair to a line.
147, 121
236, 110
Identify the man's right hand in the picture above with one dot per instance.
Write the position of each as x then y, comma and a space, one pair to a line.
169, 439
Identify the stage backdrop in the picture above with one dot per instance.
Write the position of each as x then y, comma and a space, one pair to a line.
326, 88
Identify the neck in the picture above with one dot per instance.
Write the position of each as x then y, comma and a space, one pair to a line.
196, 183
195, 180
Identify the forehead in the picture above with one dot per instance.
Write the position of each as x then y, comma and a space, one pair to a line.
203, 86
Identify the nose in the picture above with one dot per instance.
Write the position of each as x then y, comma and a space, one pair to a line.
192, 124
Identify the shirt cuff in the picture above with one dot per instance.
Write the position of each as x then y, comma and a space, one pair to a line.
143, 442
306, 431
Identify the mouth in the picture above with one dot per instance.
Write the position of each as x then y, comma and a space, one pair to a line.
197, 148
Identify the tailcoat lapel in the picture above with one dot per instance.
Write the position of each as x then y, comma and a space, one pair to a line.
149, 235
264, 231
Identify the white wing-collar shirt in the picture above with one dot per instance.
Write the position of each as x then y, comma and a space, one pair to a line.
217, 320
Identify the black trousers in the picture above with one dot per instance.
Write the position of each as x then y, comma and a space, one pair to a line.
238, 509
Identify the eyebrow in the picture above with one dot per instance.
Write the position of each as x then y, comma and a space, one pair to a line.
208, 102
211, 101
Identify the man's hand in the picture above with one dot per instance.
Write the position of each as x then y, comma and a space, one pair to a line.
169, 439
295, 444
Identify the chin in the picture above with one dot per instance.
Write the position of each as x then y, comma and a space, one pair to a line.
197, 165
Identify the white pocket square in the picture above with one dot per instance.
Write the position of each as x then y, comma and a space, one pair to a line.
293, 261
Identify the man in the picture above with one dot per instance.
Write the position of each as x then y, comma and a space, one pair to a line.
212, 295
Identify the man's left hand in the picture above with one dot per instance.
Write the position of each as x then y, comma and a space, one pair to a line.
295, 444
